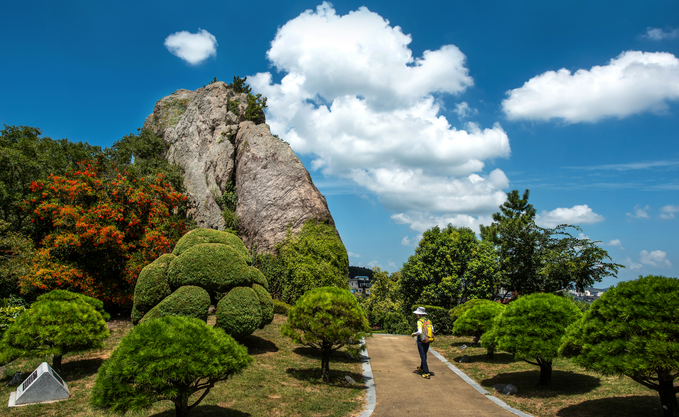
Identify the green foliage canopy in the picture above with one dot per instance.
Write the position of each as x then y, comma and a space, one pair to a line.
56, 324
327, 319
478, 320
535, 259
531, 328
169, 358
448, 266
383, 306
26, 157
16, 251
315, 257
633, 330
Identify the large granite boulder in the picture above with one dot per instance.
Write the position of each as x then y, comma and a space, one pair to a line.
274, 189
211, 140
200, 127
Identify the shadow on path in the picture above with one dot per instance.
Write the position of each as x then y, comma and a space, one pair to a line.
563, 382
634, 406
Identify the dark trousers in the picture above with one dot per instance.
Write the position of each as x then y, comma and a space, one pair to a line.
423, 348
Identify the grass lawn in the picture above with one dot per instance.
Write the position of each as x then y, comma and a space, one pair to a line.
283, 380
573, 391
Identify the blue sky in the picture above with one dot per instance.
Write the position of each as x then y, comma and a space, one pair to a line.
406, 115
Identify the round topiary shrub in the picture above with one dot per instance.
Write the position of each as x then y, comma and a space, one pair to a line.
239, 312
279, 307
152, 286
188, 301
212, 266
265, 304
200, 236
258, 278
217, 263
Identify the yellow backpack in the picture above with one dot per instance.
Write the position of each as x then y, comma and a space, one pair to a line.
427, 331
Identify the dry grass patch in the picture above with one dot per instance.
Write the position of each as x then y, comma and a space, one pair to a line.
283, 380
573, 391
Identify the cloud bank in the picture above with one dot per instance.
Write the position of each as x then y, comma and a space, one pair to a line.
657, 34
355, 98
632, 83
193, 48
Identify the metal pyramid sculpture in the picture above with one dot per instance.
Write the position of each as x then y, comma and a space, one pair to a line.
43, 385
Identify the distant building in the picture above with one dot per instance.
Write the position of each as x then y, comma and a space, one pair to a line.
589, 294
360, 285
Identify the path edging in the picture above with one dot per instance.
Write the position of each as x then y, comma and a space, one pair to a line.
370, 396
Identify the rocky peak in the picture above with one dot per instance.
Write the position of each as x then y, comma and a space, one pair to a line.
212, 140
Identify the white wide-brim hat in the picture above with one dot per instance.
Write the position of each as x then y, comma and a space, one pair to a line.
420, 310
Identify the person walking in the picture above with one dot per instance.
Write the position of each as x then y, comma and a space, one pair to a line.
422, 347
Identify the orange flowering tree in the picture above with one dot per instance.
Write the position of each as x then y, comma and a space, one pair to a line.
97, 227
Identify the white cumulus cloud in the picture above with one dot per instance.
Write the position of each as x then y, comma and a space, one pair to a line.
615, 242
576, 215
193, 48
655, 258
667, 212
631, 264
355, 99
463, 110
634, 82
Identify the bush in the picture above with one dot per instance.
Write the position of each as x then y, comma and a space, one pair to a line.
188, 301
478, 320
166, 359
8, 315
55, 327
97, 227
459, 310
239, 312
632, 330
439, 316
199, 236
219, 269
273, 270
395, 322
265, 305
532, 328
327, 319
212, 266
315, 257
280, 307
152, 286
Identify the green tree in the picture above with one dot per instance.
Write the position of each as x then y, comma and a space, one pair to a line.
26, 157
633, 330
478, 320
16, 251
55, 324
448, 266
143, 155
327, 319
536, 259
169, 358
383, 305
315, 257
531, 328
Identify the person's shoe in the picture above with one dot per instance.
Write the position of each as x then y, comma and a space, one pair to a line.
419, 371
426, 376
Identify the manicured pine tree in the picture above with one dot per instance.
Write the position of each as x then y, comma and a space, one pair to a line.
327, 319
170, 358
633, 330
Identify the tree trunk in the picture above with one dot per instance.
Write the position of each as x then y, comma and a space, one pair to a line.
490, 354
325, 362
56, 363
545, 372
668, 398
181, 406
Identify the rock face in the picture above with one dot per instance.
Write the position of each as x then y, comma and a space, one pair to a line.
211, 140
274, 189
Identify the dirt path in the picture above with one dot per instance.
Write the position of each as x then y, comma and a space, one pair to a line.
400, 392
